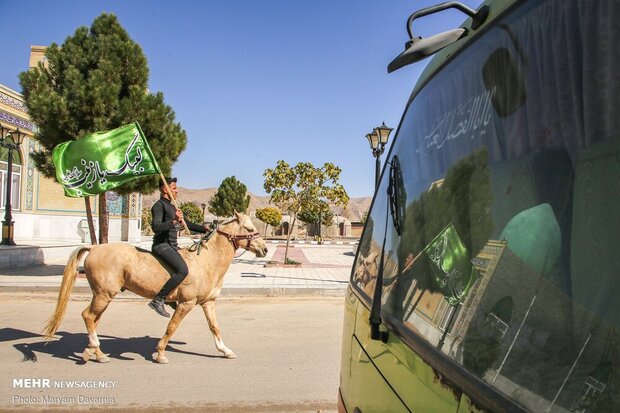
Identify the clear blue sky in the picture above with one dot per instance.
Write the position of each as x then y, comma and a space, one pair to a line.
253, 82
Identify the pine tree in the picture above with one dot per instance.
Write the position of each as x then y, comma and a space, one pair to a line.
231, 196
95, 81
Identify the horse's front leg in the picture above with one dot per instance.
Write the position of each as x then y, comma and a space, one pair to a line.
180, 312
209, 309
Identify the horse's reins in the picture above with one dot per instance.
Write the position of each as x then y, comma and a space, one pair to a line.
230, 237
234, 238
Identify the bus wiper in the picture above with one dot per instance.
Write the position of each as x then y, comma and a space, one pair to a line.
375, 308
393, 199
395, 189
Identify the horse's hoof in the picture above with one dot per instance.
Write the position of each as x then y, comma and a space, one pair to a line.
230, 355
87, 354
162, 360
103, 359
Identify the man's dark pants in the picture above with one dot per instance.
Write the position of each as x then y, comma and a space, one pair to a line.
172, 257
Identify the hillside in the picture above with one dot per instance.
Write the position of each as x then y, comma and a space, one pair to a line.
354, 211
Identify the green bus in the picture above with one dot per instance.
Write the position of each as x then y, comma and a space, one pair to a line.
487, 277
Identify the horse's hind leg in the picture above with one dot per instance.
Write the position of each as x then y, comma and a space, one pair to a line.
180, 312
91, 316
209, 309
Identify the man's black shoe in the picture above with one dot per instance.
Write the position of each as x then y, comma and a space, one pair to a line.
158, 305
172, 304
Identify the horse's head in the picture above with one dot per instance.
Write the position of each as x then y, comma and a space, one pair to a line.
367, 268
243, 234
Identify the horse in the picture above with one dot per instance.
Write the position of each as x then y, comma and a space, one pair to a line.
366, 272
111, 268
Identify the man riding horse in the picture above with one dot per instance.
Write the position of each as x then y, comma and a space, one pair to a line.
167, 222
112, 268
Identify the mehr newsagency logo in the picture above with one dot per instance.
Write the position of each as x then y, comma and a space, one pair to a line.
92, 392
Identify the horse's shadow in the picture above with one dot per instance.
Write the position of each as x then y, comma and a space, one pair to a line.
70, 346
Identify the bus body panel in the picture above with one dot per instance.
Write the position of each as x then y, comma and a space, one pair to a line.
414, 380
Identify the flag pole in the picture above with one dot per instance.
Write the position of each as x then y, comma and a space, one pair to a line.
161, 175
172, 199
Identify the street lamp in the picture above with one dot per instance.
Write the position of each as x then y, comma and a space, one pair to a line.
377, 139
16, 139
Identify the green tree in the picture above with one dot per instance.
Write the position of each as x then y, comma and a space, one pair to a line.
231, 196
95, 81
321, 215
270, 216
304, 187
192, 212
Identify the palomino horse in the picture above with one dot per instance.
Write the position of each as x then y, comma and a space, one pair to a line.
112, 267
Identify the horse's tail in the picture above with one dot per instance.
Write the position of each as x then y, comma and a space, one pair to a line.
68, 280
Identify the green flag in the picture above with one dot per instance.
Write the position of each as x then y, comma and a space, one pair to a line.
103, 161
452, 270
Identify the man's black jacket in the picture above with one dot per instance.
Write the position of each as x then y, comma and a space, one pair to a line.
163, 213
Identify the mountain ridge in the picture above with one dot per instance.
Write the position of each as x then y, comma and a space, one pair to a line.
354, 211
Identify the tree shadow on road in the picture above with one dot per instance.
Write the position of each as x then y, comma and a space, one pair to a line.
250, 262
70, 346
308, 279
252, 275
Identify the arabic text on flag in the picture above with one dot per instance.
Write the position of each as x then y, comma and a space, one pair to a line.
103, 161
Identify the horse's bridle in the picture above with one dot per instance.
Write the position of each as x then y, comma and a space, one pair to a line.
230, 237
235, 238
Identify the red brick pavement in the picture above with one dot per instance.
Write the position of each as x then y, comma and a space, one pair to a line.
297, 254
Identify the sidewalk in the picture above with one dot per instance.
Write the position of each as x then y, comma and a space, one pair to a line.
325, 270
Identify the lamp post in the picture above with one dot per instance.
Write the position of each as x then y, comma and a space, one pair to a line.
377, 139
11, 144
338, 225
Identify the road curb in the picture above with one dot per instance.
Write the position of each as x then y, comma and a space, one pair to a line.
226, 291
281, 292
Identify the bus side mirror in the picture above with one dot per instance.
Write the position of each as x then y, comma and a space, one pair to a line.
417, 48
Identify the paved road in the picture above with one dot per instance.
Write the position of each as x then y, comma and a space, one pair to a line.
288, 357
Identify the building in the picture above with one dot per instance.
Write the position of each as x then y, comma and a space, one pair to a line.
340, 228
